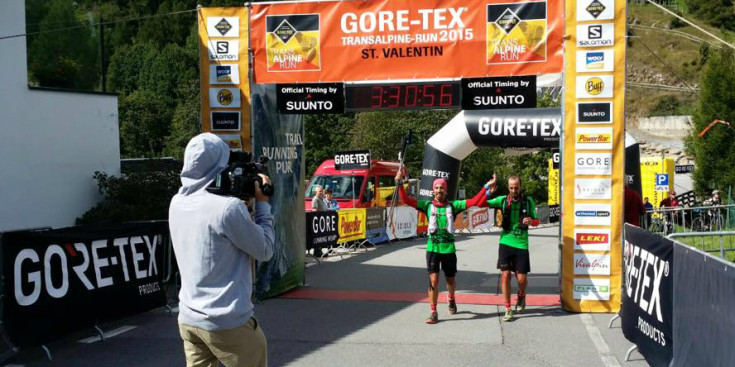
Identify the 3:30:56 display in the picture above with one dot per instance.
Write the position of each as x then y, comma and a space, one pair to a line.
402, 96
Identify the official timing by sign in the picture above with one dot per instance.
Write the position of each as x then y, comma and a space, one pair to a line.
355, 159
310, 98
335, 41
500, 92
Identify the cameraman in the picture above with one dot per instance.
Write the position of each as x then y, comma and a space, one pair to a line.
215, 240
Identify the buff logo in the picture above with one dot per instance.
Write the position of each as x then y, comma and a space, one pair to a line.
592, 238
33, 274
352, 226
594, 86
224, 97
598, 138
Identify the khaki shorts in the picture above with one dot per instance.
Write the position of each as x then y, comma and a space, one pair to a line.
241, 346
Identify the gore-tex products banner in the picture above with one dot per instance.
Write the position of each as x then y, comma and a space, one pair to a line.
403, 223
501, 92
335, 41
646, 314
310, 98
69, 279
703, 282
354, 159
321, 229
527, 128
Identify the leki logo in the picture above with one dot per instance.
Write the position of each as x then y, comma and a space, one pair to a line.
596, 138
594, 86
592, 238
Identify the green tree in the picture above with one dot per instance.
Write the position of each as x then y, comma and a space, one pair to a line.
324, 135
145, 119
714, 153
718, 13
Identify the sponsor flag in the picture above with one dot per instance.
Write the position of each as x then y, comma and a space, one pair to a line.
336, 41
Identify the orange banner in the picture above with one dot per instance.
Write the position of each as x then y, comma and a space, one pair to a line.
335, 41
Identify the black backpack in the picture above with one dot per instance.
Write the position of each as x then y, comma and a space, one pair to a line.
525, 209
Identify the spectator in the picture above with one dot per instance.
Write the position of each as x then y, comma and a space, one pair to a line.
649, 209
330, 203
634, 207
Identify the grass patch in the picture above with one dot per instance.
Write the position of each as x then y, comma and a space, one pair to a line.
711, 244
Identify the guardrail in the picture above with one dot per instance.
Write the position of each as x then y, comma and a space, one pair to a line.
665, 221
708, 242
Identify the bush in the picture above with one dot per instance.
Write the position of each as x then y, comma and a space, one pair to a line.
665, 106
133, 196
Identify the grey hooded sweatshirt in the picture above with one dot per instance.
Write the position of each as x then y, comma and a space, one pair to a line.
214, 239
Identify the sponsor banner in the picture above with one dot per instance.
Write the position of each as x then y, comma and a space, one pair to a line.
65, 280
592, 214
310, 98
595, 10
594, 112
423, 223
375, 225
633, 164
555, 158
554, 213
224, 97
595, 86
480, 218
351, 225
646, 315
226, 27
595, 35
279, 138
591, 289
586, 239
224, 74
593, 164
591, 264
595, 61
684, 168
353, 159
224, 61
594, 138
495, 93
225, 121
335, 41
438, 165
593, 188
650, 168
527, 128
220, 50
321, 229
402, 224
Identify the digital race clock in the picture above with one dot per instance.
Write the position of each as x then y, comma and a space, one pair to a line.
404, 96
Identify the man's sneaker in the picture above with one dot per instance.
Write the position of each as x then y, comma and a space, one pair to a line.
508, 315
521, 304
433, 318
452, 307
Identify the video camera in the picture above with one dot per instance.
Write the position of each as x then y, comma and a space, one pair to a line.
239, 177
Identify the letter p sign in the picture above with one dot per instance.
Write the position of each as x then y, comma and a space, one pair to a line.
662, 179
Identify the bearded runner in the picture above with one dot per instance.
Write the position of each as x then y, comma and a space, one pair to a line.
440, 250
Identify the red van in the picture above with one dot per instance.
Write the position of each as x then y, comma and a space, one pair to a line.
356, 188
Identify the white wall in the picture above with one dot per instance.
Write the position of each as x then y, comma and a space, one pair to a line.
51, 143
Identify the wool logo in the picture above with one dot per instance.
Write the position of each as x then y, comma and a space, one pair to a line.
594, 86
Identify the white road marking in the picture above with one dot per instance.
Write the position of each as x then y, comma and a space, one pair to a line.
108, 334
608, 359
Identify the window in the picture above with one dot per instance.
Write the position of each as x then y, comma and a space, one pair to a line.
343, 187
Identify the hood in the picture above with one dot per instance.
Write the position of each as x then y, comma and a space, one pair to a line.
206, 155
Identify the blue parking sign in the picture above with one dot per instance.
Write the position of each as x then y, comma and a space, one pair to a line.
662, 179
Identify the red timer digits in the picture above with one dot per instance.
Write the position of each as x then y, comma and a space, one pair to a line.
363, 97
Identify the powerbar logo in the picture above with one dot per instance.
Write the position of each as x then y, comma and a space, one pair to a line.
33, 275
599, 138
350, 226
644, 272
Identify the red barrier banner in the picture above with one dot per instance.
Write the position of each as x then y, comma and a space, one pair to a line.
334, 41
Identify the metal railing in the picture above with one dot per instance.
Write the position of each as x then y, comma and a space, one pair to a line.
720, 242
665, 221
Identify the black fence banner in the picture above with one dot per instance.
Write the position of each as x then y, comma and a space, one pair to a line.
519, 128
353, 159
375, 225
69, 279
703, 304
321, 229
646, 313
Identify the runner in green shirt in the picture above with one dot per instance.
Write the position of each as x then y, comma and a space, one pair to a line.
440, 247
519, 211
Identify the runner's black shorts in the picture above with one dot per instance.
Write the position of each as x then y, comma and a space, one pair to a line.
513, 259
448, 263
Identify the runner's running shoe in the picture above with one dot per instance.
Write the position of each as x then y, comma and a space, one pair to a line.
508, 315
452, 307
521, 304
433, 318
